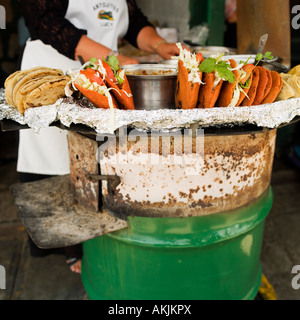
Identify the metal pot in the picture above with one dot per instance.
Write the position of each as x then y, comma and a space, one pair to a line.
208, 51
152, 85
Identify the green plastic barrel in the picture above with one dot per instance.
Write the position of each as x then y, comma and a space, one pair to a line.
196, 258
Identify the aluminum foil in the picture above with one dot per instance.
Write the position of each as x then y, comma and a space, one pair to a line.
8, 112
35, 118
70, 111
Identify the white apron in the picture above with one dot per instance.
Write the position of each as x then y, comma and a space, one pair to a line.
46, 152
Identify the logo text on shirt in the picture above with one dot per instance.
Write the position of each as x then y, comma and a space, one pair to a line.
107, 6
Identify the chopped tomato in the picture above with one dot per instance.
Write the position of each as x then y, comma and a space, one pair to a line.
109, 72
248, 68
92, 75
199, 57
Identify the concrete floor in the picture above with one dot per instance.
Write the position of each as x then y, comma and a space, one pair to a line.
48, 278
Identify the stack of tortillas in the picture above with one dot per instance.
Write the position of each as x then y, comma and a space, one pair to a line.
35, 87
291, 84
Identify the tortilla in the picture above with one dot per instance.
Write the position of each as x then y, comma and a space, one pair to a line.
294, 82
277, 83
186, 94
226, 94
264, 85
31, 85
41, 72
9, 84
286, 92
209, 93
46, 94
12, 80
18, 78
295, 70
248, 101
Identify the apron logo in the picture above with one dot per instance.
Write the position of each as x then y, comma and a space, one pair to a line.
105, 15
2, 17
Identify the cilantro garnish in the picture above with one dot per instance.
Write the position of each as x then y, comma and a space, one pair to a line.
222, 67
224, 72
260, 56
268, 55
208, 65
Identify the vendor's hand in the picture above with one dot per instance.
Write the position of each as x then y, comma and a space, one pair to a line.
124, 60
168, 50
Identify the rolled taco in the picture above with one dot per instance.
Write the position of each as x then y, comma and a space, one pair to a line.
245, 82
228, 89
277, 84
248, 100
104, 84
189, 79
116, 79
232, 94
217, 71
264, 85
90, 83
210, 90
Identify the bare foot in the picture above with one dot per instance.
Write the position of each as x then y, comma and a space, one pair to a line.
75, 265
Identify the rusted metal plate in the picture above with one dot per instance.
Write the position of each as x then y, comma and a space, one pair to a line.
233, 171
10, 125
53, 217
83, 162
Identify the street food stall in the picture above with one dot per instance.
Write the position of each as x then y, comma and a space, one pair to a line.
168, 188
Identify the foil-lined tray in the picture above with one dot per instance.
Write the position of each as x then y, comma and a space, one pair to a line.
69, 111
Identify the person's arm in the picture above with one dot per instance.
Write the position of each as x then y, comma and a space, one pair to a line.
149, 40
46, 21
142, 34
87, 49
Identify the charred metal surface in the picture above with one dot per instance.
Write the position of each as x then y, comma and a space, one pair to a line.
233, 171
54, 218
112, 181
83, 162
